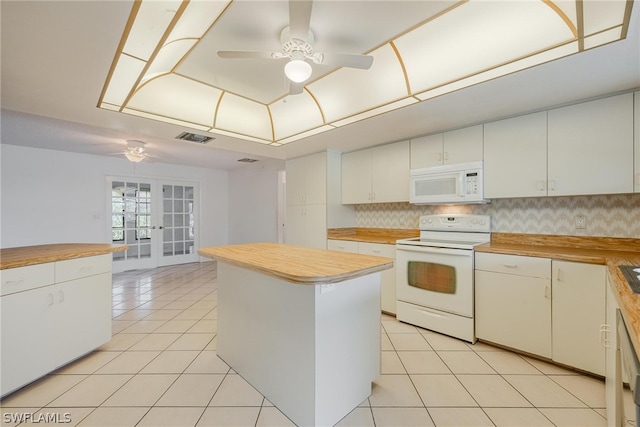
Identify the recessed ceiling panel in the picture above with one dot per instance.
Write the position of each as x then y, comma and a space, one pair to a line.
350, 91
243, 116
478, 36
179, 98
294, 115
149, 26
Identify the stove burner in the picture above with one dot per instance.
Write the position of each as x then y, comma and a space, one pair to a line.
632, 274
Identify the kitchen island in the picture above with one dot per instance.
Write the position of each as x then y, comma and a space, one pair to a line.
301, 325
55, 306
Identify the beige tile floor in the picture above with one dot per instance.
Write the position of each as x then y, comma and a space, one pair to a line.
161, 369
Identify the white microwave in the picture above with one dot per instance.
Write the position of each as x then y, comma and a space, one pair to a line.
451, 184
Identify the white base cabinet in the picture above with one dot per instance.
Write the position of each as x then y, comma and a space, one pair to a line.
49, 323
578, 314
549, 308
513, 302
388, 277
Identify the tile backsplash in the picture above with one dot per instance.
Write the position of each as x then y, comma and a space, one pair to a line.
611, 215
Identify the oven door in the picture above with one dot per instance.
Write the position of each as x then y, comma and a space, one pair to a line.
437, 278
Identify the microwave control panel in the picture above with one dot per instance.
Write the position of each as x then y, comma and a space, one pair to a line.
472, 182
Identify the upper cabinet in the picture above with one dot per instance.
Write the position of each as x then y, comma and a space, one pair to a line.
307, 180
515, 157
376, 175
458, 146
590, 147
636, 143
581, 149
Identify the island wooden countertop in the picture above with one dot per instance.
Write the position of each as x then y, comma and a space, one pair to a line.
30, 255
612, 252
297, 264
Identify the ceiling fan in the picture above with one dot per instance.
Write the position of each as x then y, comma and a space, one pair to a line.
135, 151
296, 42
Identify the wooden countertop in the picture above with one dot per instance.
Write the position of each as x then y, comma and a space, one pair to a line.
612, 252
387, 236
298, 264
30, 255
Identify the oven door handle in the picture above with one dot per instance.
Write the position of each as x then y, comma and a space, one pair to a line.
434, 250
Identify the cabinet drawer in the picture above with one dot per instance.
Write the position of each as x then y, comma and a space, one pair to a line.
513, 264
377, 249
20, 279
343, 246
82, 267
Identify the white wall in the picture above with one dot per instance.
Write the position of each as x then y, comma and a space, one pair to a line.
52, 196
253, 202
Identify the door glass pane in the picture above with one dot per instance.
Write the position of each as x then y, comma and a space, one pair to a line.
131, 219
178, 220
432, 276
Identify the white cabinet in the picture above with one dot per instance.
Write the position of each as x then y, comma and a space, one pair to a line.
376, 175
48, 324
313, 189
590, 148
636, 141
515, 157
307, 179
457, 146
578, 312
613, 362
387, 277
550, 308
513, 302
307, 226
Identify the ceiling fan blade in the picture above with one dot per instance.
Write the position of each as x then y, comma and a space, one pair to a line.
295, 88
362, 62
299, 18
244, 54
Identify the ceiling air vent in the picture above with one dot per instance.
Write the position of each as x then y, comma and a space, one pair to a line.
247, 160
194, 137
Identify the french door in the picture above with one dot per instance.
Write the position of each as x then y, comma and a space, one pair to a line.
156, 219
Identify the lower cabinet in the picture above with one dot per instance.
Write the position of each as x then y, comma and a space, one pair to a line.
513, 302
549, 308
388, 277
578, 313
46, 327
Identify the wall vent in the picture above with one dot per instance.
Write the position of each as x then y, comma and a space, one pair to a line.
194, 137
247, 160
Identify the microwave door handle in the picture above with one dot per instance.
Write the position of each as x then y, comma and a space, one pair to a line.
463, 190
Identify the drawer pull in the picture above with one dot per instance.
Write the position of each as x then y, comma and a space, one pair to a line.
15, 281
511, 265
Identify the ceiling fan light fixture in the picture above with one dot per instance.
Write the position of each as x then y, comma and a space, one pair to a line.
134, 155
297, 70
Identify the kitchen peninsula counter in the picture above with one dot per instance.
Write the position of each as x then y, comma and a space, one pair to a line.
23, 256
301, 325
608, 251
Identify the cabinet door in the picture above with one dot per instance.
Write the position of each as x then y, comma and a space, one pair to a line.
387, 277
295, 170
515, 157
514, 311
426, 151
578, 314
315, 226
591, 147
295, 230
315, 178
83, 316
613, 362
390, 173
356, 177
636, 142
27, 336
463, 145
